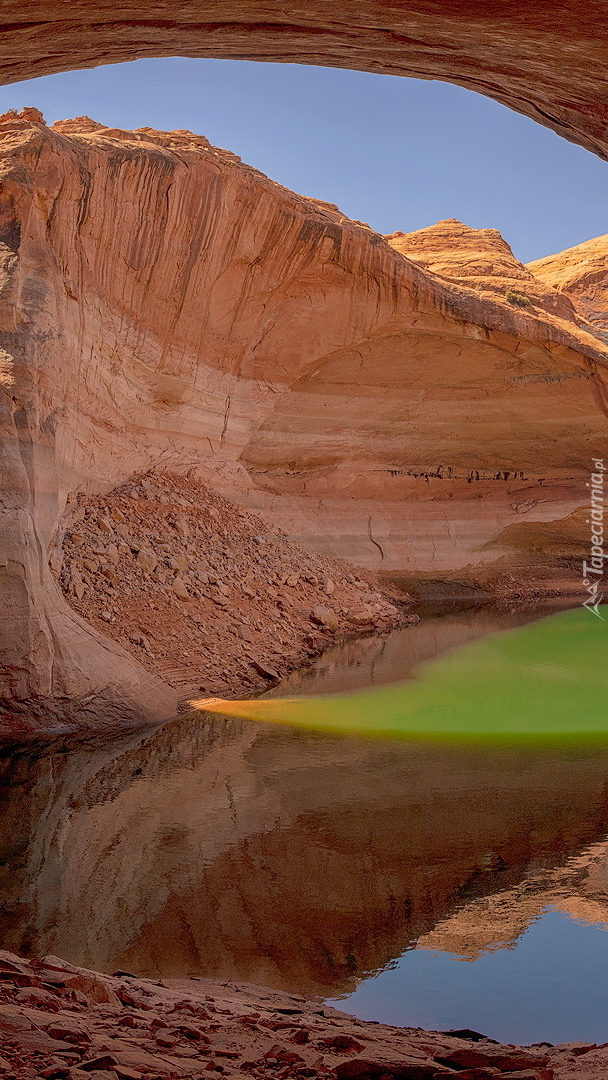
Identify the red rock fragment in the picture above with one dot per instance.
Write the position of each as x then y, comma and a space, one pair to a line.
300, 1036
498, 1056
125, 1073
12, 962
367, 1069
36, 997
484, 1073
55, 1072
341, 1044
127, 998
575, 1048
103, 1061
289, 1058
54, 963
166, 1040
191, 1032
93, 988
68, 1030
528, 1074
38, 1042
128, 1020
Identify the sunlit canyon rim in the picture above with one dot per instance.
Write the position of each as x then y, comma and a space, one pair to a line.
421, 405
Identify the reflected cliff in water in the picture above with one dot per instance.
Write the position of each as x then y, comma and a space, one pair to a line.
546, 681
380, 659
218, 847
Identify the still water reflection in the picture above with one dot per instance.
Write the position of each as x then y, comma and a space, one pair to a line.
543, 681
293, 858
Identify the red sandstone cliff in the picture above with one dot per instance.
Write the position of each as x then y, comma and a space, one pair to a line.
164, 306
581, 274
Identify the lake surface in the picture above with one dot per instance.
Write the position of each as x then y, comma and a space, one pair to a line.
441, 882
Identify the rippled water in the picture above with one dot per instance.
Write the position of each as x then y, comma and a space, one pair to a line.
401, 871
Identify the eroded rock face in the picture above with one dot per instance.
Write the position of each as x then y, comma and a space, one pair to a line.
439, 437
581, 274
164, 306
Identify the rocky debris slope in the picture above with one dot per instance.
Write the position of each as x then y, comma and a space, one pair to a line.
204, 593
581, 275
60, 1022
163, 305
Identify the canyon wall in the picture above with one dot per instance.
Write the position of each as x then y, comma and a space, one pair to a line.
580, 273
546, 61
439, 435
165, 307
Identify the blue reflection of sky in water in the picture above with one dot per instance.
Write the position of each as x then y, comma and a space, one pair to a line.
553, 986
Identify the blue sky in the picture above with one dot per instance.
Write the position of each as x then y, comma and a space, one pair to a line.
397, 153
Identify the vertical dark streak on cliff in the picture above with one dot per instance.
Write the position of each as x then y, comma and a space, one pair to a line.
226, 418
205, 221
85, 199
599, 388
375, 542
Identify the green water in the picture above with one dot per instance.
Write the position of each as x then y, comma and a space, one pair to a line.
548, 679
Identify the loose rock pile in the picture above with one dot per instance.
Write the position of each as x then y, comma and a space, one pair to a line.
205, 593
59, 1022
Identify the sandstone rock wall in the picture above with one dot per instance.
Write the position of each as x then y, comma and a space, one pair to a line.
438, 436
166, 307
581, 274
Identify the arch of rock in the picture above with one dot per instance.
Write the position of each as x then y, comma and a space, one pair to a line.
544, 60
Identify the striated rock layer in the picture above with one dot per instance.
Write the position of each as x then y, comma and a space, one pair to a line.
165, 307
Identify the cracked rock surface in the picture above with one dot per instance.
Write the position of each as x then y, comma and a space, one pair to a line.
60, 1022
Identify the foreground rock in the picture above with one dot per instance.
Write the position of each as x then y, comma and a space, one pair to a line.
60, 1022
164, 306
